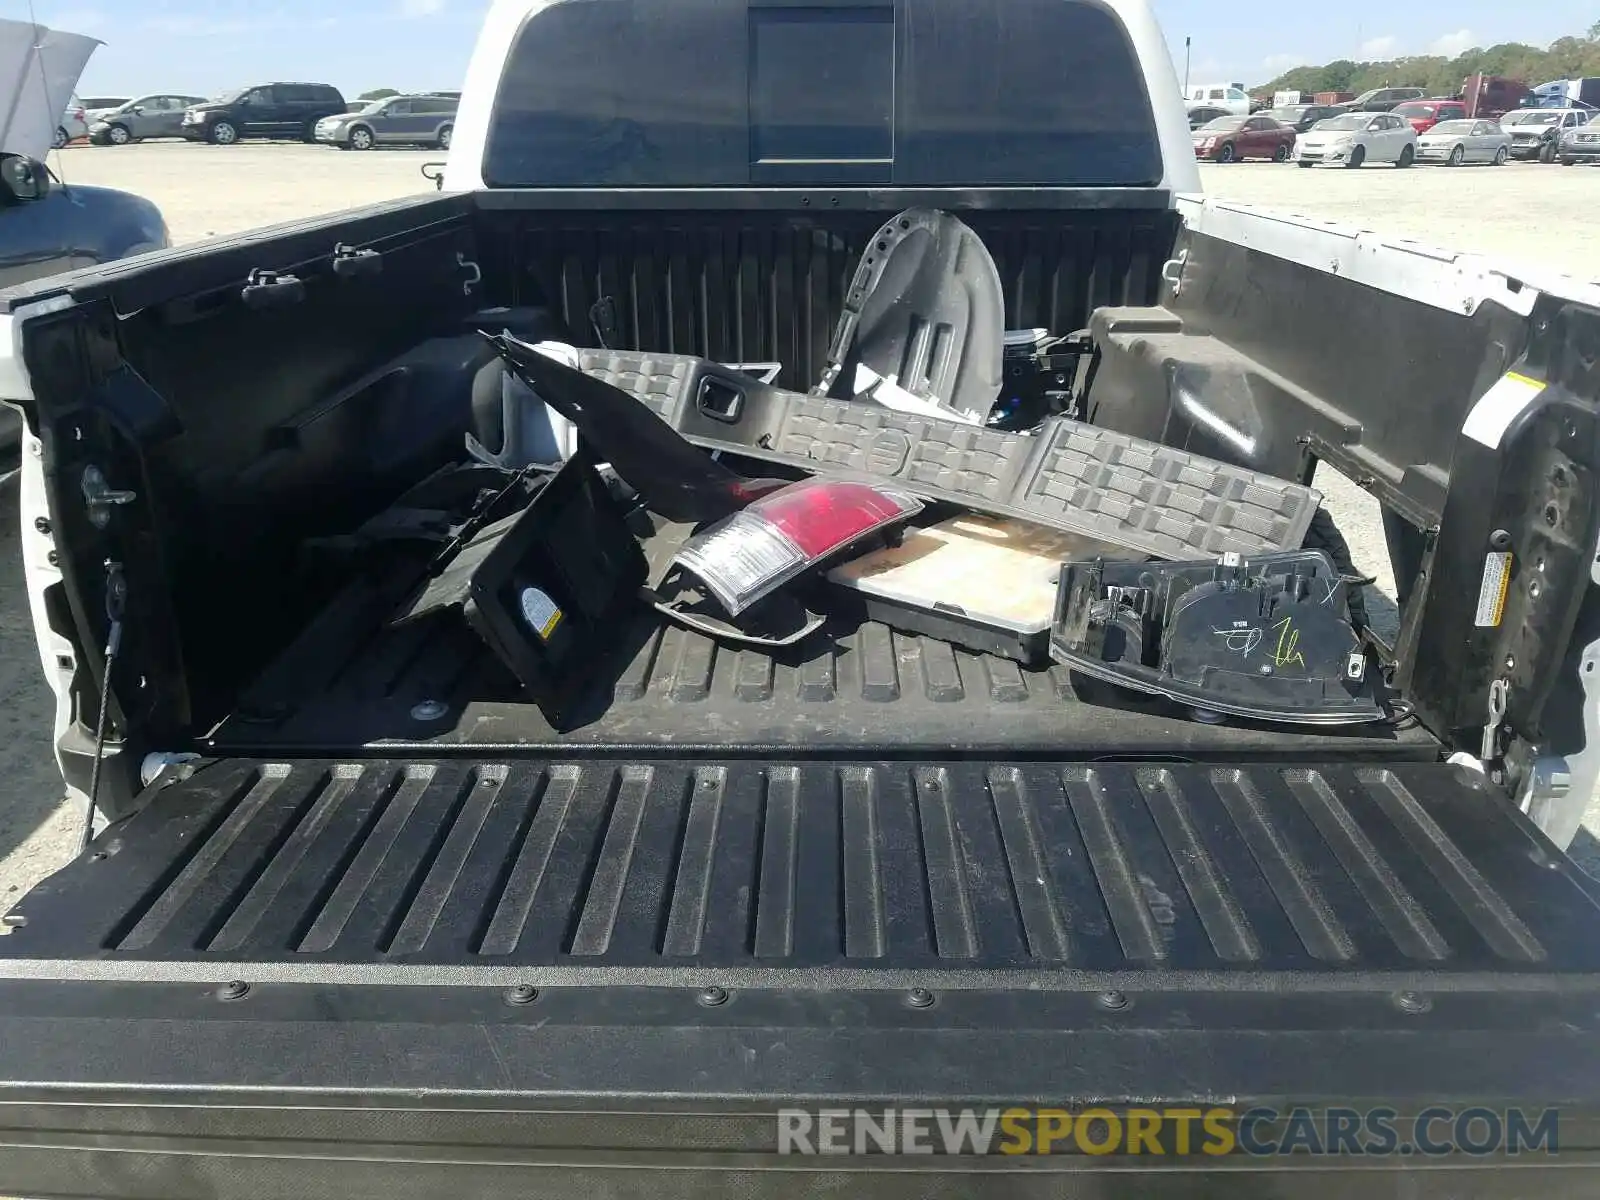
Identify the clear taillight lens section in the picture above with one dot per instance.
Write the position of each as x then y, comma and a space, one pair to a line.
758, 549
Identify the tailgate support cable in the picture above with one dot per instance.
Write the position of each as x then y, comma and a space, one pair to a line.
116, 602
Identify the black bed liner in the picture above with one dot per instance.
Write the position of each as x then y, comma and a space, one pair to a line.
856, 688
390, 977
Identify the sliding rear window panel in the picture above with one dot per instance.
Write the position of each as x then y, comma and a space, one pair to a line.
908, 93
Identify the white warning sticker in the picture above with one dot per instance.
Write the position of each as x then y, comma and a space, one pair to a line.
540, 612
1492, 589
1498, 407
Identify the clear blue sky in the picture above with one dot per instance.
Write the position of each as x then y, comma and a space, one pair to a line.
204, 46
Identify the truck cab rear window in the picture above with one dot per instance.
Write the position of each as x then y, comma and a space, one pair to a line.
730, 93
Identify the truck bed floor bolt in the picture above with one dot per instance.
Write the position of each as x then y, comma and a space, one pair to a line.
428, 710
713, 996
234, 989
919, 998
521, 993
1113, 1001
1412, 1002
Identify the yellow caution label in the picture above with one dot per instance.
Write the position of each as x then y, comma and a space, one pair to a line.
1492, 589
540, 612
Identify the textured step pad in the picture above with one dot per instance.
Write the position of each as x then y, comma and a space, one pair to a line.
1118, 489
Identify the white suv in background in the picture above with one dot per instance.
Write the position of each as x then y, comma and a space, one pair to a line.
1227, 96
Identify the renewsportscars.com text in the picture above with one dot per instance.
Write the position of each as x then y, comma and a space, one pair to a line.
1168, 1131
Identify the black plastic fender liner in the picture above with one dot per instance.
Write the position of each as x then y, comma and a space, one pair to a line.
924, 308
1151, 498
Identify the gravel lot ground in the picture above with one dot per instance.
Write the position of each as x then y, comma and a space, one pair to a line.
1522, 213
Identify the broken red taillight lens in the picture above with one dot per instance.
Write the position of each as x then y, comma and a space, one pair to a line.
760, 548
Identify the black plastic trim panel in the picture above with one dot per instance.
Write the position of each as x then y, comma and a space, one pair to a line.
1106, 485
168, 1093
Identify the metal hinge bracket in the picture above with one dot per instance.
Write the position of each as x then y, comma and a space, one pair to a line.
99, 497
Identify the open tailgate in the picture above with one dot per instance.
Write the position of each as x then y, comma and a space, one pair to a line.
393, 978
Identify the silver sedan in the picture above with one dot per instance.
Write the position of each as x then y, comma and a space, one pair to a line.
1455, 142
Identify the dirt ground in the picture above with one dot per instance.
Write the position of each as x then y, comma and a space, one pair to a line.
1522, 213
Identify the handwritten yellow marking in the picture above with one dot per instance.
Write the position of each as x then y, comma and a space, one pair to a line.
1288, 639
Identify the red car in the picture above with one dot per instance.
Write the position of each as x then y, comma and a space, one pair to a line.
1230, 139
1425, 114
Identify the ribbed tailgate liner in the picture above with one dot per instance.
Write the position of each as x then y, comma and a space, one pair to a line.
837, 868
1119, 489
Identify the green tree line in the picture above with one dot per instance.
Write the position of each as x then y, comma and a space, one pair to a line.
1564, 58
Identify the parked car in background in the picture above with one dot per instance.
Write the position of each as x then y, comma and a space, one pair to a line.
269, 110
1301, 117
1579, 143
159, 116
1232, 139
1203, 113
1383, 99
420, 120
74, 123
96, 106
1425, 114
1536, 132
1356, 138
1228, 96
1465, 141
